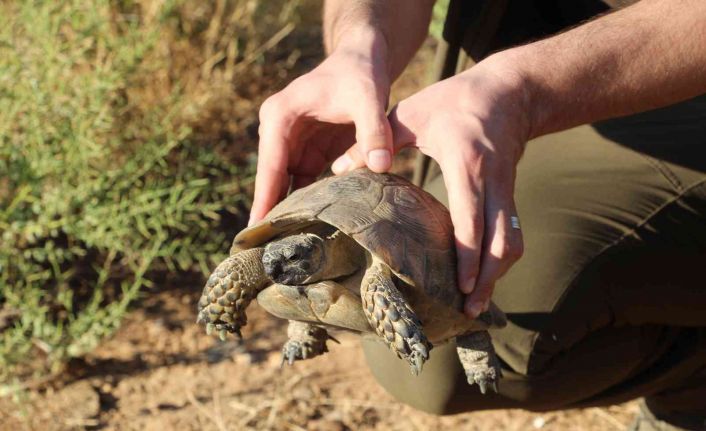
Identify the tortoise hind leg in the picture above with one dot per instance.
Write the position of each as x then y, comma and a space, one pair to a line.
229, 290
392, 318
479, 360
304, 341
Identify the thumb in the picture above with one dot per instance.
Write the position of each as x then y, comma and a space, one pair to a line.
374, 137
373, 140
353, 158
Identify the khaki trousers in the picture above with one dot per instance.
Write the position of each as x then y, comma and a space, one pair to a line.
609, 301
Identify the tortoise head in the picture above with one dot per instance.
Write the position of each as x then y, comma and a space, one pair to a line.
294, 259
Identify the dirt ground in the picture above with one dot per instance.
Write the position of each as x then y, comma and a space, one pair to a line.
161, 372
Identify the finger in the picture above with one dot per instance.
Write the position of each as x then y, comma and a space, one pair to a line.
502, 248
271, 185
464, 184
353, 158
403, 125
401, 136
373, 134
272, 178
472, 308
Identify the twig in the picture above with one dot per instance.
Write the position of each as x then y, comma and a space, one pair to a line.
273, 412
202, 410
237, 405
78, 422
271, 43
294, 380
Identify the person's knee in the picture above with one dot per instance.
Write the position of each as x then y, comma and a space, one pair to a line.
431, 391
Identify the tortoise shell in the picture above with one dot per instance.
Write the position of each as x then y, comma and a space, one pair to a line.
394, 220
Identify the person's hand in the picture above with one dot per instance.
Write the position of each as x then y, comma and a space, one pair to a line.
475, 126
310, 123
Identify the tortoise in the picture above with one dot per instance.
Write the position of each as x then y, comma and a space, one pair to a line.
363, 251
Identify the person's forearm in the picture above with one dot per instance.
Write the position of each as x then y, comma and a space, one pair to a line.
390, 31
646, 56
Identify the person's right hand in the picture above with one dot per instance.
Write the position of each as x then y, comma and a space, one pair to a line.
316, 118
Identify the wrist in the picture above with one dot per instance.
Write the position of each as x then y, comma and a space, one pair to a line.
363, 44
554, 86
519, 62
510, 93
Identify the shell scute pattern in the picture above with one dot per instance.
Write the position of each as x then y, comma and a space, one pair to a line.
352, 200
409, 219
402, 225
350, 186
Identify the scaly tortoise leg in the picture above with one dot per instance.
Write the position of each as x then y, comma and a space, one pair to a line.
229, 290
305, 341
392, 318
481, 364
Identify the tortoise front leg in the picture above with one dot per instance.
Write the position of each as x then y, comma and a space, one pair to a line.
304, 341
481, 364
229, 290
392, 318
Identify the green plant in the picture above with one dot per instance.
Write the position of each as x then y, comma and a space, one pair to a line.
436, 27
104, 180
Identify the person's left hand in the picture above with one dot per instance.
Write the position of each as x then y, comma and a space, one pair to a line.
475, 126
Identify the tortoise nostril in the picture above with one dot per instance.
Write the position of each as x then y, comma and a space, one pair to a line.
273, 270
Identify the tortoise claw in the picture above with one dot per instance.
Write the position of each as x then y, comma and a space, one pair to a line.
292, 351
417, 358
479, 361
484, 384
304, 341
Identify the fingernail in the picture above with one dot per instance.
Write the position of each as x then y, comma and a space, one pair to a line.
468, 287
476, 309
342, 164
379, 160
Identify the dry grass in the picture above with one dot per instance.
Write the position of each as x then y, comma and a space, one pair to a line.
126, 146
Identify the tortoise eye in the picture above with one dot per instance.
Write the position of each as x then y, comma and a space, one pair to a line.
294, 256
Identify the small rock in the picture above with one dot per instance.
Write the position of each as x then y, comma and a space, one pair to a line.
539, 422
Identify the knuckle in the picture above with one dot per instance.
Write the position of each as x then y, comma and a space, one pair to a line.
356, 154
472, 157
373, 133
445, 124
465, 152
272, 108
518, 249
511, 248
